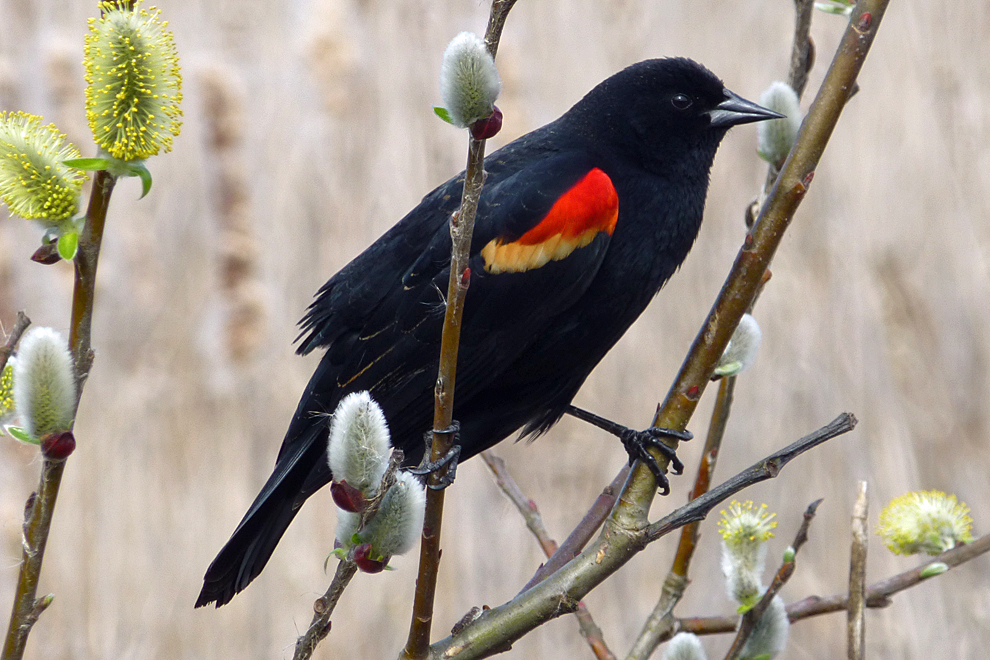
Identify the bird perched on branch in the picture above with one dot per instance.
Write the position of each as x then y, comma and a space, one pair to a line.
580, 223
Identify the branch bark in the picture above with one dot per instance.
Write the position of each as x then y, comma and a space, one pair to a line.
41, 504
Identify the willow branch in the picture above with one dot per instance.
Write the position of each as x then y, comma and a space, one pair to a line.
461, 231
41, 505
323, 608
584, 531
758, 248
802, 48
496, 629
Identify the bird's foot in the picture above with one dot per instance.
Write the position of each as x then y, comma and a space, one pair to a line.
449, 460
637, 444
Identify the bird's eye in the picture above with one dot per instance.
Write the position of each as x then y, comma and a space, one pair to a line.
681, 101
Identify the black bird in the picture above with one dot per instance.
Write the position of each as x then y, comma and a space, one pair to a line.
579, 225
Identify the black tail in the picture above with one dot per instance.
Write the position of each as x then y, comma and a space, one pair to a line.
297, 475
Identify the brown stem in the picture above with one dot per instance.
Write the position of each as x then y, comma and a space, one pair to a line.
584, 531
323, 608
768, 468
41, 505
802, 49
461, 231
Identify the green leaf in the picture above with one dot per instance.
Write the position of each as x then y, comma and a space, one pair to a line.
68, 245
933, 569
833, 9
139, 170
18, 433
443, 114
88, 164
729, 369
339, 553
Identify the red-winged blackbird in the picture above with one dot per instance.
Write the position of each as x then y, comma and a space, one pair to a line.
579, 225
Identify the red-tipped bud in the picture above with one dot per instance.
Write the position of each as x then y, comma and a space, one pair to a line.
347, 497
362, 557
487, 127
58, 446
47, 254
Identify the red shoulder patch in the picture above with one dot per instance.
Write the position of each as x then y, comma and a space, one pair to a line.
590, 207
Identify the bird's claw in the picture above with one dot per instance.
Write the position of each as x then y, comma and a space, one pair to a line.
637, 444
449, 460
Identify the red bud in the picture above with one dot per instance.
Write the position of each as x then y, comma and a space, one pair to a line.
47, 254
347, 497
362, 557
487, 127
58, 446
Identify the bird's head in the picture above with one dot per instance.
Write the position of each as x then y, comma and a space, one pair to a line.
659, 112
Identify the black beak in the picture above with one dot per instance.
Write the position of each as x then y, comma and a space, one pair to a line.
735, 110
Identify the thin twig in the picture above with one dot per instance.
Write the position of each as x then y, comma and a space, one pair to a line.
768, 468
41, 504
526, 507
323, 608
878, 594
584, 531
461, 231
856, 619
20, 325
784, 573
534, 521
661, 621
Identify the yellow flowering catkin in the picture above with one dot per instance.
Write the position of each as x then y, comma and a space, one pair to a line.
134, 83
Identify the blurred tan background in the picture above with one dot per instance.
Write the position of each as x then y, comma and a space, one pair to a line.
308, 132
